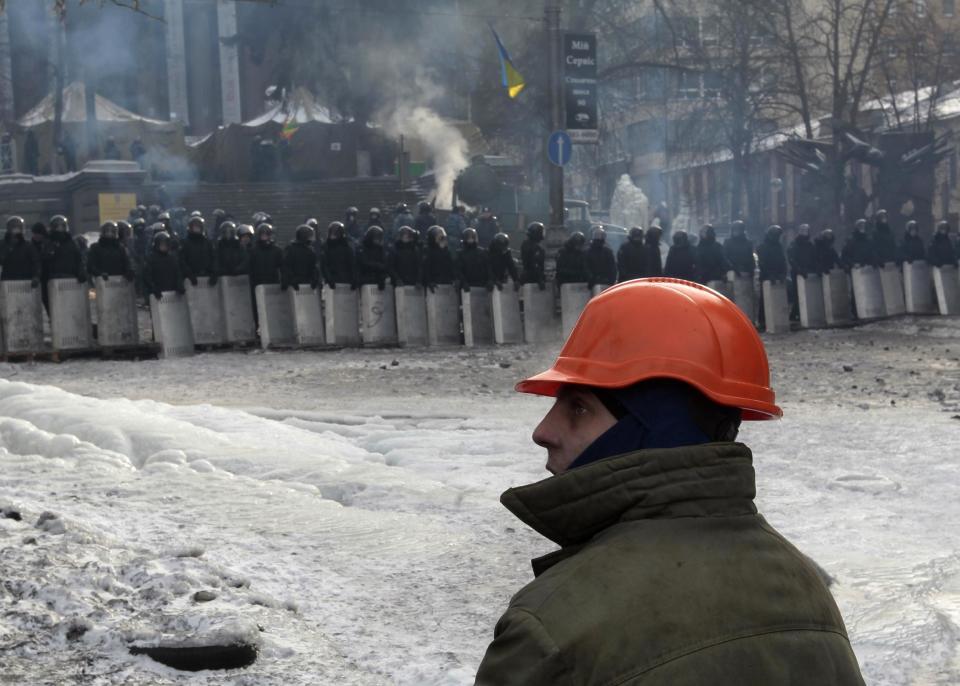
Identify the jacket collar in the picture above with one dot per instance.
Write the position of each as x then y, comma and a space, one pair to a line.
712, 480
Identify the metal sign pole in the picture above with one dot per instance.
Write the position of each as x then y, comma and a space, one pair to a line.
555, 44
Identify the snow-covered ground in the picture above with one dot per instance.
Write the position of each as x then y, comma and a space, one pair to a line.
341, 509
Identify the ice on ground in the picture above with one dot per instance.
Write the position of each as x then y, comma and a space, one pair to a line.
360, 540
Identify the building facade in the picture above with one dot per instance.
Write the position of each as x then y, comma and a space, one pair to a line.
201, 62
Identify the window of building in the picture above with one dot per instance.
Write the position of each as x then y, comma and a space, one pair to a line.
650, 84
687, 31
688, 85
949, 7
921, 8
712, 84
761, 36
709, 30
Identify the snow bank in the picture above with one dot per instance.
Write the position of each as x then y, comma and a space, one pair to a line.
356, 549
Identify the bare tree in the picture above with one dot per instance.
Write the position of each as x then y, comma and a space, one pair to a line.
719, 86
833, 48
919, 59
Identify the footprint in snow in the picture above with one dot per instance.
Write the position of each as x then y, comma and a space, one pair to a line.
866, 483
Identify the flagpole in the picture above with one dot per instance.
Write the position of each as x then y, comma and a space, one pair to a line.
555, 50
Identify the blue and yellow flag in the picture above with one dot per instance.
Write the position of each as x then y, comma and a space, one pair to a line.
289, 129
512, 79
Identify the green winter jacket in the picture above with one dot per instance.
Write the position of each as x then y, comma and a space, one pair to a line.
667, 576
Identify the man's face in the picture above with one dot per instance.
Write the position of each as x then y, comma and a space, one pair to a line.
575, 421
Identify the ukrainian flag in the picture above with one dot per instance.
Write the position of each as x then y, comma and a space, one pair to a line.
289, 129
512, 79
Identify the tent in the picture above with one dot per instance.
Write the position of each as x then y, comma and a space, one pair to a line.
319, 148
163, 140
300, 107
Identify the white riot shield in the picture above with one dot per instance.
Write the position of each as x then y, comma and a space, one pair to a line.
598, 289
919, 294
744, 296
117, 324
948, 289
70, 314
477, 317
573, 299
236, 302
868, 293
776, 308
275, 316
836, 298
443, 315
891, 281
813, 314
507, 323
171, 325
21, 309
307, 309
206, 313
378, 315
721, 287
539, 322
341, 307
411, 306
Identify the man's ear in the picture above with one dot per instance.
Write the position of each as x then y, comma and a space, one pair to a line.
721, 424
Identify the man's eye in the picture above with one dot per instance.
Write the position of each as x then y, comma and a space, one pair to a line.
579, 409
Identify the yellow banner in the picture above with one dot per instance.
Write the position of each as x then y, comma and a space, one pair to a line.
116, 206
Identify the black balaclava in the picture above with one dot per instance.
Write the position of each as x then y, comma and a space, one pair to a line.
659, 413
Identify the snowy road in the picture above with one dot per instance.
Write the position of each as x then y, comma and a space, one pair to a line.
343, 510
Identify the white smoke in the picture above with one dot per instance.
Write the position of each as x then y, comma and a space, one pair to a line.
445, 145
629, 206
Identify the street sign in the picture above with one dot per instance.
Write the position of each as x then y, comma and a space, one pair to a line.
580, 82
560, 148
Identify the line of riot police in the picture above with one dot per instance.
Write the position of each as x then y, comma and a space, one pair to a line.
161, 256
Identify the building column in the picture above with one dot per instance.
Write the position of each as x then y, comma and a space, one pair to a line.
176, 62
7, 109
790, 187
229, 62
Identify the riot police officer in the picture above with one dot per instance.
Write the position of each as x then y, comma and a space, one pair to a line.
108, 257
372, 267
601, 262
681, 263
233, 257
712, 264
63, 259
502, 264
738, 250
163, 273
19, 259
300, 261
406, 261
631, 257
197, 257
533, 257
572, 260
266, 258
473, 262
339, 262
438, 265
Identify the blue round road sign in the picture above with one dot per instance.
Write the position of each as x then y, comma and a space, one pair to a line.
560, 148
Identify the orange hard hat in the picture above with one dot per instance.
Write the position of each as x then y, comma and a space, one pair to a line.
665, 329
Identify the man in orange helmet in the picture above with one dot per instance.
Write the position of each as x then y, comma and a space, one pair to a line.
666, 574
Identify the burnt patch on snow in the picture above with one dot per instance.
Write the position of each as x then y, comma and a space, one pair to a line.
200, 658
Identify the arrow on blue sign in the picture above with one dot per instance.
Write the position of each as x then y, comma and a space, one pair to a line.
560, 148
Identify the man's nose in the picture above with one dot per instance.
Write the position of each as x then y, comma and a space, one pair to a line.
543, 435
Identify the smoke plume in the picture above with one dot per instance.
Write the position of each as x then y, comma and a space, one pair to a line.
445, 144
